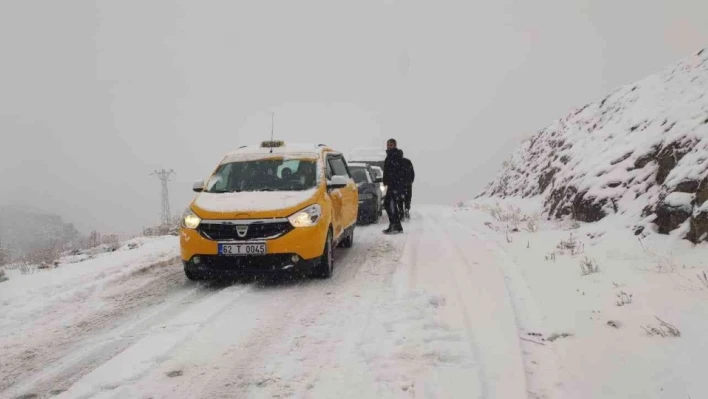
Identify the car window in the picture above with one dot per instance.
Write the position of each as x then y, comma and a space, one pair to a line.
264, 175
220, 181
328, 169
360, 175
291, 164
338, 167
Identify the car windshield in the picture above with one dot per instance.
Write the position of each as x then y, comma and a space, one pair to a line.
264, 175
358, 174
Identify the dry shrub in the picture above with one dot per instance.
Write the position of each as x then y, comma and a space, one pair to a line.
572, 245
623, 298
661, 263
589, 266
664, 329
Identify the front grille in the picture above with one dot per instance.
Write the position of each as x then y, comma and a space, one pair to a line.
244, 263
229, 232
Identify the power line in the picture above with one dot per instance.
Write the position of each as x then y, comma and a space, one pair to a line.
164, 176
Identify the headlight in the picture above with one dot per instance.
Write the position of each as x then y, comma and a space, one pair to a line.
366, 196
190, 220
306, 217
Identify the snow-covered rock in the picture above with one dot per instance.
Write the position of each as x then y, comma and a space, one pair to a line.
624, 154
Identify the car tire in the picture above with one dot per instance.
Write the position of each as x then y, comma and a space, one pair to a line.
191, 276
325, 264
349, 241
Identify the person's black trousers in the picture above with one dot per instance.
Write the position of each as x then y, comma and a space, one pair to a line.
408, 196
393, 206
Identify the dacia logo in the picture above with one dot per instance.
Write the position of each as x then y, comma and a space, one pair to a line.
241, 231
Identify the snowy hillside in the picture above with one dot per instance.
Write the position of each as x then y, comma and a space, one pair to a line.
641, 152
23, 230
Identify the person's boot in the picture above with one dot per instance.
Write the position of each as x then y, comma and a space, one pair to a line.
398, 228
389, 230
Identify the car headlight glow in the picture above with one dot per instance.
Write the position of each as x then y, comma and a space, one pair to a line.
190, 220
306, 217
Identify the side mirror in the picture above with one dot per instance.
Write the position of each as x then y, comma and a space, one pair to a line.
338, 182
198, 186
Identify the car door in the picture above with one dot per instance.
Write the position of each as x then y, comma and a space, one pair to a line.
374, 185
349, 196
336, 197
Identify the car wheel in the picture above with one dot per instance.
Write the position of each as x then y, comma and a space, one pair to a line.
375, 218
325, 264
191, 276
349, 241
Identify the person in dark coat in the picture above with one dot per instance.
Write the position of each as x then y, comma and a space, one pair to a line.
409, 178
394, 180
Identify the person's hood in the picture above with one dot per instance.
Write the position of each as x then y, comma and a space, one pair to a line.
394, 153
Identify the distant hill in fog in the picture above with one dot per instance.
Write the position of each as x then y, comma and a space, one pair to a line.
23, 229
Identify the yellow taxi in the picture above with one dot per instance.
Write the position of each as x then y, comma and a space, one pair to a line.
270, 208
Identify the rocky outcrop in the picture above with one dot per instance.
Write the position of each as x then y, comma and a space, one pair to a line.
635, 153
673, 211
699, 227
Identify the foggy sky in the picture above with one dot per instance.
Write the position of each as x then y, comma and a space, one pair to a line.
94, 96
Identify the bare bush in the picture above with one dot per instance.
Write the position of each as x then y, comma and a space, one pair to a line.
3, 277
703, 278
4, 256
551, 256
497, 213
112, 242
589, 266
664, 329
532, 223
623, 298
572, 245
43, 257
26, 269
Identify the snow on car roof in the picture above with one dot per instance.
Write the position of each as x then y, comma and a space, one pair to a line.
295, 150
357, 164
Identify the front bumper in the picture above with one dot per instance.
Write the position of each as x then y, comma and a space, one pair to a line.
215, 266
306, 242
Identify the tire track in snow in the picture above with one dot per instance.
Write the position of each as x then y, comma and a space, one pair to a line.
542, 383
485, 310
99, 336
465, 312
242, 336
298, 330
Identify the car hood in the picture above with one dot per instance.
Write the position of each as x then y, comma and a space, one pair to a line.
252, 205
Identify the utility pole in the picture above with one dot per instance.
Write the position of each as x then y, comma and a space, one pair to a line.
164, 176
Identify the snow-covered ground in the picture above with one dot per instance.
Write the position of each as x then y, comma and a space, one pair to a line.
461, 305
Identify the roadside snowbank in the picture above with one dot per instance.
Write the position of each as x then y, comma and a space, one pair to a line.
605, 329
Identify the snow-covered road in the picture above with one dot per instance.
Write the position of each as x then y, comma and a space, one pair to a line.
424, 314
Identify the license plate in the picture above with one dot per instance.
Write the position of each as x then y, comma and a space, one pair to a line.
242, 249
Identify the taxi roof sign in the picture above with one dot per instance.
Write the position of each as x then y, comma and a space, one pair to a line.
272, 144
